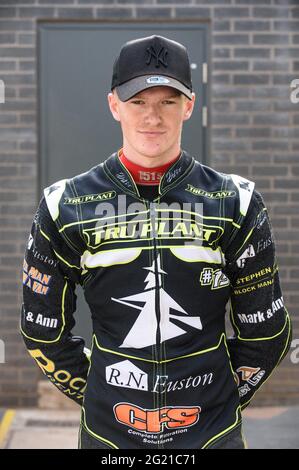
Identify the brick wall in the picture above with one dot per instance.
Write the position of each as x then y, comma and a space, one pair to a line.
254, 132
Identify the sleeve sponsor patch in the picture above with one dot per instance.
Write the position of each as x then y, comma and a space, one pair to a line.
35, 280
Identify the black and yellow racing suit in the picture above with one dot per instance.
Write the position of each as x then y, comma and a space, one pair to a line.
159, 277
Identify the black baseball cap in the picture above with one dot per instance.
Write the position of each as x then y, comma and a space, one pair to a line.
149, 62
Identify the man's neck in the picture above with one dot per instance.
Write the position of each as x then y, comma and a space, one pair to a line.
150, 162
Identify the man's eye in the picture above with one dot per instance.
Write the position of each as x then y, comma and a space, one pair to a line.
142, 102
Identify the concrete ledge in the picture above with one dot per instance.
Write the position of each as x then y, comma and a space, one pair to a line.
43, 429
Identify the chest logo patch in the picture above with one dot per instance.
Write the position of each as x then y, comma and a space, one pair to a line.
144, 331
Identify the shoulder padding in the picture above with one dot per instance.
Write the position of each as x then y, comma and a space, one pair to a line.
53, 196
245, 188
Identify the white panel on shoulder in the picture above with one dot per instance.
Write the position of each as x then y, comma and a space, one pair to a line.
53, 195
245, 188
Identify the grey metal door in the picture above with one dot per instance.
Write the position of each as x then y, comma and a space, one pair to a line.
77, 131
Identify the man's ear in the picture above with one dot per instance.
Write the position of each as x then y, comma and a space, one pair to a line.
189, 105
113, 105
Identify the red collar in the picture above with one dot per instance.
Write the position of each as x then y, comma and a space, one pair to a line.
143, 175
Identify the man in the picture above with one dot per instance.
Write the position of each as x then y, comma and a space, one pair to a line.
163, 247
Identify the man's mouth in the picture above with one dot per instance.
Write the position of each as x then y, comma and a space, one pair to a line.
153, 133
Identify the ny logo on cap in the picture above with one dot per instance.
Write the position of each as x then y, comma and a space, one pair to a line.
160, 56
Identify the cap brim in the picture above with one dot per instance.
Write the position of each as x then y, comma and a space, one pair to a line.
127, 90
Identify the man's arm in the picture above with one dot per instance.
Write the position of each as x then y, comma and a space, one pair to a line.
50, 273
258, 315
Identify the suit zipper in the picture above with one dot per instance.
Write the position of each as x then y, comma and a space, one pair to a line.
158, 348
157, 290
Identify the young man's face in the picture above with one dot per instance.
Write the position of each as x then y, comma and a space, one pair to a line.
152, 120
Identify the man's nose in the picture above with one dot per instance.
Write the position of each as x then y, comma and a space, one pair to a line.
153, 115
